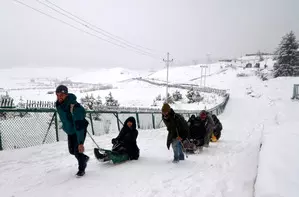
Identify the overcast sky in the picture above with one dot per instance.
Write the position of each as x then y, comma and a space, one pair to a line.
188, 29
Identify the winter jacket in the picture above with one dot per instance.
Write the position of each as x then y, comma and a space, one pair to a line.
196, 128
176, 126
128, 138
218, 127
209, 122
72, 116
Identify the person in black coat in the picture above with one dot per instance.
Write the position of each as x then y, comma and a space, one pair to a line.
218, 127
127, 139
197, 130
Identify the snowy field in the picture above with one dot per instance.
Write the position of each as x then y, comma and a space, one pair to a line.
257, 112
36, 84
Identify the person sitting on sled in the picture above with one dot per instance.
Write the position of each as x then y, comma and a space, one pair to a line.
209, 125
124, 145
217, 129
177, 131
197, 131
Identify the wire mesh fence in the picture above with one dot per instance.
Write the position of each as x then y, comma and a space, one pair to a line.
20, 128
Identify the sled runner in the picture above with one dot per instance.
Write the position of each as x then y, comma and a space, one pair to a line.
116, 155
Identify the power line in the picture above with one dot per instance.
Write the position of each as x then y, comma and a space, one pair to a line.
100, 29
70, 25
93, 27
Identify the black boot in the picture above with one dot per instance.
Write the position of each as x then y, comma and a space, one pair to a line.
80, 173
98, 155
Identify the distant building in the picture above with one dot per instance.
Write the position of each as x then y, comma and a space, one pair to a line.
258, 54
225, 60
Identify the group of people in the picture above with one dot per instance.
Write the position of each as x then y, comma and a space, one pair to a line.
189, 136
182, 135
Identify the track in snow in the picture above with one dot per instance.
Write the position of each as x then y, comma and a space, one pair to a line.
226, 168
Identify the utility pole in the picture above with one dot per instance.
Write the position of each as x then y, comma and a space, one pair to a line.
167, 61
201, 76
205, 67
209, 62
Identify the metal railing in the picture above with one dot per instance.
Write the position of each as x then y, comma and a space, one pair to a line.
20, 128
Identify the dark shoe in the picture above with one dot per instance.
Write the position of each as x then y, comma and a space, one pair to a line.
97, 154
80, 173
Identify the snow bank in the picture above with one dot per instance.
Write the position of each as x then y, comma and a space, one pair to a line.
278, 170
278, 164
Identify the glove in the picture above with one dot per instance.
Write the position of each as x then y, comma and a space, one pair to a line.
114, 141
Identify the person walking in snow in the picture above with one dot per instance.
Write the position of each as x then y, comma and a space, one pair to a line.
74, 124
209, 125
178, 131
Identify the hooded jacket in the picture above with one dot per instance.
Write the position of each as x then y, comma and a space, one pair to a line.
72, 122
176, 126
128, 137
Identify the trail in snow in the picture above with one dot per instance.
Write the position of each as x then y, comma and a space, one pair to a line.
226, 168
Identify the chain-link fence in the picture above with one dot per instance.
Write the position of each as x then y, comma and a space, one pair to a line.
20, 128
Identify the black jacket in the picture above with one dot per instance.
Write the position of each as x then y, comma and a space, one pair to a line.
176, 126
128, 138
197, 129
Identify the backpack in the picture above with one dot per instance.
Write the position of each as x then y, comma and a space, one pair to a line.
82, 124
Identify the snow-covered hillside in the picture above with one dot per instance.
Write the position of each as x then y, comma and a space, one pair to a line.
186, 74
124, 87
107, 76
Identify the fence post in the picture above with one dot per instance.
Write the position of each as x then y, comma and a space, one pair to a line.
137, 118
117, 119
1, 148
91, 124
153, 119
56, 127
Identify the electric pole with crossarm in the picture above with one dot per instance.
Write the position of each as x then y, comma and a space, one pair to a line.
167, 61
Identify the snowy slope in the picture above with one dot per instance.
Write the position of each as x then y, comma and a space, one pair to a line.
109, 76
258, 112
185, 74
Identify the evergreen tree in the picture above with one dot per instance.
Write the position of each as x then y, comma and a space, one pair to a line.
158, 98
88, 102
110, 101
169, 99
177, 96
287, 56
190, 95
193, 96
154, 103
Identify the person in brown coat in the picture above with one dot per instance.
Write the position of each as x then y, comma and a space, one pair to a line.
177, 131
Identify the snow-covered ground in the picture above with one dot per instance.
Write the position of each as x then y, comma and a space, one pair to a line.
257, 112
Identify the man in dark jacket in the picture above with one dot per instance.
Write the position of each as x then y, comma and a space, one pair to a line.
74, 124
177, 131
209, 125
